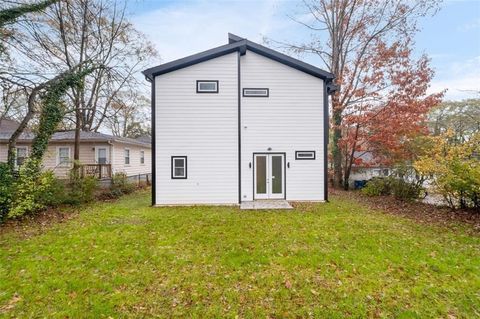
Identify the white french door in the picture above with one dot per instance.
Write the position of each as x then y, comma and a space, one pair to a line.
269, 178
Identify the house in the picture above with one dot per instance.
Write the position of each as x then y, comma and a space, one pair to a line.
368, 167
101, 155
237, 123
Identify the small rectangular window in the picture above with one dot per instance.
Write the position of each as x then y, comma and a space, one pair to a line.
179, 167
255, 92
142, 157
127, 156
305, 155
207, 86
63, 156
21, 155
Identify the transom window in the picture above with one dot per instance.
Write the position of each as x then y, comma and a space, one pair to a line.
21, 155
255, 92
207, 86
179, 167
305, 155
142, 157
63, 156
126, 153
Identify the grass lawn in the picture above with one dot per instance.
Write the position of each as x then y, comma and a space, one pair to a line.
335, 260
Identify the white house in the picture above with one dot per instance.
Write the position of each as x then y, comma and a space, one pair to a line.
237, 123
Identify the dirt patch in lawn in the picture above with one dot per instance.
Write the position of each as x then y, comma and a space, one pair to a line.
39, 222
421, 212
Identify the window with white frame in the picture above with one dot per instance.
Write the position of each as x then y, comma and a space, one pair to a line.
207, 86
21, 155
126, 155
142, 157
63, 156
102, 155
179, 167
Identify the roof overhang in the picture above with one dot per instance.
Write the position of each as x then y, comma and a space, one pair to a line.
238, 44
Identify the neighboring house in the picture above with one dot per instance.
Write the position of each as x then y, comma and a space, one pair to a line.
237, 123
100, 154
368, 168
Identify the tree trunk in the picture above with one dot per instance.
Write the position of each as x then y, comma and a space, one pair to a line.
336, 151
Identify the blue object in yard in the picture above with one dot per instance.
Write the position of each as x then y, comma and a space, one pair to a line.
359, 184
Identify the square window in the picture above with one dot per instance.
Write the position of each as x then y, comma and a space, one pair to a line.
179, 167
207, 86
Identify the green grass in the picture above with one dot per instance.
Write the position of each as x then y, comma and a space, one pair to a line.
335, 260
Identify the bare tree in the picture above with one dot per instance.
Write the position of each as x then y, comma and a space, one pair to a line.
73, 31
129, 117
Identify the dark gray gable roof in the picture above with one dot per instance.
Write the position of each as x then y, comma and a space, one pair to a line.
237, 43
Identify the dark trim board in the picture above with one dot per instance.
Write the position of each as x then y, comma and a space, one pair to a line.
325, 140
153, 130
240, 45
284, 171
172, 167
207, 92
239, 114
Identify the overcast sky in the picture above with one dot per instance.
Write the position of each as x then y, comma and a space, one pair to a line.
180, 28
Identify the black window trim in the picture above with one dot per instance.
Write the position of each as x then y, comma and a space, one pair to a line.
172, 168
207, 92
305, 158
244, 95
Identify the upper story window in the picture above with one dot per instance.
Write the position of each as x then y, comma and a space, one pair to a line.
255, 92
305, 155
179, 167
126, 153
21, 155
63, 156
142, 157
207, 86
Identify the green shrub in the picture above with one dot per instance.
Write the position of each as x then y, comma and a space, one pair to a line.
398, 187
120, 185
32, 190
6, 190
377, 186
81, 189
404, 190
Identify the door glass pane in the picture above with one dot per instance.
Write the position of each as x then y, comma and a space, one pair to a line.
261, 168
277, 174
102, 156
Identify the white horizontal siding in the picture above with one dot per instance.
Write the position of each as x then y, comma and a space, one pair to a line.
290, 119
135, 167
202, 127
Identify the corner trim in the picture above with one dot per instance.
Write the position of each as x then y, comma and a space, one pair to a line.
325, 139
153, 151
239, 131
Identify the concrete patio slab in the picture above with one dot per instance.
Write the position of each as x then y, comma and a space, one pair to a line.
265, 204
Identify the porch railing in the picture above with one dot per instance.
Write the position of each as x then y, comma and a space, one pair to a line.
100, 171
